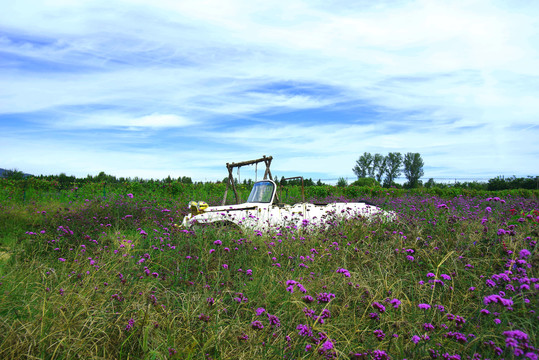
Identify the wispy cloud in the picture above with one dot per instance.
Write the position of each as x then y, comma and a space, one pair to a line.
98, 84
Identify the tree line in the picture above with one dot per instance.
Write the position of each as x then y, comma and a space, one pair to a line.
495, 184
68, 181
372, 170
385, 169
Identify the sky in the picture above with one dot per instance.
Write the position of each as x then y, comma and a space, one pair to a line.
148, 89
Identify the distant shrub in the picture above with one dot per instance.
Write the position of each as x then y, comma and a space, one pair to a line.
366, 181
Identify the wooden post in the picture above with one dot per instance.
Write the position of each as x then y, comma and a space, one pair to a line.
231, 180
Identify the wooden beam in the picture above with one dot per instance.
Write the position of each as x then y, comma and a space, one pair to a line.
250, 162
230, 166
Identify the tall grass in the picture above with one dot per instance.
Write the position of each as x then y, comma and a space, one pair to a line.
115, 278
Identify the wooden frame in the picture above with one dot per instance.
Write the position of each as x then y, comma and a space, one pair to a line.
231, 166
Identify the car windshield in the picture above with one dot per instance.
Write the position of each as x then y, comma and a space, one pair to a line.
262, 192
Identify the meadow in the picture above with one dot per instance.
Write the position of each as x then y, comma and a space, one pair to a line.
105, 273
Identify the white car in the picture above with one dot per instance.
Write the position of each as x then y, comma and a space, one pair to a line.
262, 213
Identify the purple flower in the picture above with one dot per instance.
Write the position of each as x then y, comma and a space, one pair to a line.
304, 330
379, 334
274, 320
381, 308
326, 346
516, 334
257, 325
260, 311
380, 355
130, 195
344, 272
460, 321
461, 338
217, 242
497, 299
325, 297
326, 314
130, 325
511, 342
395, 303
524, 253
415, 339
424, 306
241, 298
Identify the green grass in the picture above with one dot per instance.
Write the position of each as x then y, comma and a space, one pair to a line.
76, 287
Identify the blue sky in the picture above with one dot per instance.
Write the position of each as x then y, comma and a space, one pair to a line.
157, 88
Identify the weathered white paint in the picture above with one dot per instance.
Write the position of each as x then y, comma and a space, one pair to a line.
262, 216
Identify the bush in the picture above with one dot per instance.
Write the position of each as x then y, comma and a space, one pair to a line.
366, 181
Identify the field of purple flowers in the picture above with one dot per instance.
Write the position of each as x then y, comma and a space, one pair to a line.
453, 278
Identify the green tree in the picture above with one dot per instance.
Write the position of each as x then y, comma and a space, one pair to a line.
378, 167
13, 174
105, 178
413, 168
392, 168
342, 182
65, 181
186, 180
309, 182
363, 165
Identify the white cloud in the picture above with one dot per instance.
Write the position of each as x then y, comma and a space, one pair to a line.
455, 81
112, 120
